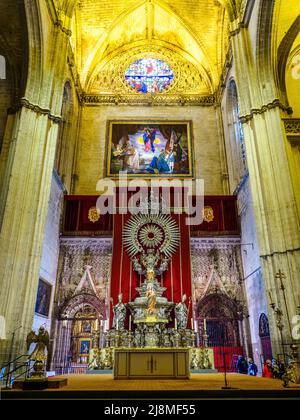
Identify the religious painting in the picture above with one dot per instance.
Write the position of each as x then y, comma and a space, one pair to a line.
150, 149
85, 346
43, 299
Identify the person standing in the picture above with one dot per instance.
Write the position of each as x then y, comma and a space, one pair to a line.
268, 369
252, 368
242, 365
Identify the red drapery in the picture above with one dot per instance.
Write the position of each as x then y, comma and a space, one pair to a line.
230, 356
177, 280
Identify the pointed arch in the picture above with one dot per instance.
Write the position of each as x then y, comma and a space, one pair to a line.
36, 50
230, 7
102, 49
264, 66
77, 302
283, 54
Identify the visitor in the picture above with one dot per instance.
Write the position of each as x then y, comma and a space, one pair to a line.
268, 369
252, 368
242, 365
278, 369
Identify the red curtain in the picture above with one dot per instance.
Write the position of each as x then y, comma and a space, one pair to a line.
177, 280
230, 354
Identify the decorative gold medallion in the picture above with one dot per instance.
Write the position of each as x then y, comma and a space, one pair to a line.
208, 214
94, 215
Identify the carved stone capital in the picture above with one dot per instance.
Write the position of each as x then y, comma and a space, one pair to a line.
25, 103
259, 111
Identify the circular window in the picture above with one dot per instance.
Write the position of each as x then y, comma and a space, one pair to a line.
149, 75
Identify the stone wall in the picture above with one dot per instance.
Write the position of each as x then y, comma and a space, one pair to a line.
50, 252
239, 184
93, 134
253, 277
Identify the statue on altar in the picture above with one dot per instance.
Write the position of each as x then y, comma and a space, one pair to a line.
150, 261
151, 300
181, 314
119, 311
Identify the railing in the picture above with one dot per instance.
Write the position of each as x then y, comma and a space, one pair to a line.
14, 370
70, 369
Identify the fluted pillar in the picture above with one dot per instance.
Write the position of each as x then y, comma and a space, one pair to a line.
27, 182
276, 216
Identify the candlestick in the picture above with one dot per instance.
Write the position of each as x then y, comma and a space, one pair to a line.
175, 324
204, 324
192, 323
129, 322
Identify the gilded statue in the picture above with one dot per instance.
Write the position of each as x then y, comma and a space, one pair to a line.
42, 344
152, 300
39, 353
150, 261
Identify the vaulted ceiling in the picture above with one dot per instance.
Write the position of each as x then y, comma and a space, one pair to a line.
197, 31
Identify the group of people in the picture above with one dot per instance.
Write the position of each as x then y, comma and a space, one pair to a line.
246, 368
271, 369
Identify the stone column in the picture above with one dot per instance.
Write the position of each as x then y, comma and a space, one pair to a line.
277, 222
28, 178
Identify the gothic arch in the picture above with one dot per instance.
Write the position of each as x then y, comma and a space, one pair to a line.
236, 134
264, 335
217, 305
104, 45
64, 142
77, 302
283, 54
264, 68
178, 60
36, 48
222, 315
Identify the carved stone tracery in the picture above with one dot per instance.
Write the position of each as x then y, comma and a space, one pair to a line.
216, 265
109, 79
75, 255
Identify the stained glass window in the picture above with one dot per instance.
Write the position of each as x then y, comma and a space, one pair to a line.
149, 75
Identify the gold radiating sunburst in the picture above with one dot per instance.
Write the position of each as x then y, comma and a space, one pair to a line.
151, 231
151, 236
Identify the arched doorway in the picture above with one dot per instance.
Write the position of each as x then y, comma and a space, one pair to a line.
79, 327
222, 317
265, 339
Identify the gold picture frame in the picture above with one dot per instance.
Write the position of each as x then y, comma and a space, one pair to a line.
149, 149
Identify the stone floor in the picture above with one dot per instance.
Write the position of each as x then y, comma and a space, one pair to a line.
200, 387
197, 382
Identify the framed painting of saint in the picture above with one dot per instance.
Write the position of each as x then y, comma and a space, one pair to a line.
149, 149
85, 346
43, 299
